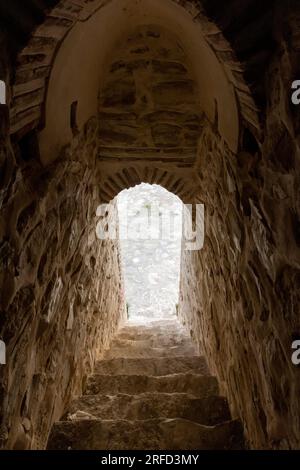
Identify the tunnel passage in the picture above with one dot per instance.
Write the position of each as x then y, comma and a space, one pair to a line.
61, 291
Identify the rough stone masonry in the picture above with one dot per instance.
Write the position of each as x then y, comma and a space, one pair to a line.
194, 96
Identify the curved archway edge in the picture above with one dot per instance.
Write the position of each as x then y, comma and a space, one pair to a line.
36, 60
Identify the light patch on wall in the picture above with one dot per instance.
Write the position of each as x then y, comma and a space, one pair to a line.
54, 299
70, 321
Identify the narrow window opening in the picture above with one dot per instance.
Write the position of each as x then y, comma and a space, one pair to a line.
73, 117
249, 142
29, 146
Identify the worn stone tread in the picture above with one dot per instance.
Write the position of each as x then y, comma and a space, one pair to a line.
149, 366
196, 384
209, 411
149, 392
158, 434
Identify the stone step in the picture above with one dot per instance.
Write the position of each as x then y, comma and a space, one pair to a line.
170, 320
153, 334
158, 434
154, 323
150, 366
159, 341
197, 385
136, 352
209, 411
156, 334
163, 326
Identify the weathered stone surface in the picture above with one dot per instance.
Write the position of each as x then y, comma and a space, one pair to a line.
54, 326
156, 434
195, 384
145, 348
146, 366
208, 411
242, 286
153, 90
177, 410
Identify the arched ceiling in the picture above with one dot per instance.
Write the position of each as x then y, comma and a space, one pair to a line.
82, 61
220, 75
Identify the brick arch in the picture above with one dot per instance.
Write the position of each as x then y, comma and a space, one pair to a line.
149, 117
126, 178
34, 62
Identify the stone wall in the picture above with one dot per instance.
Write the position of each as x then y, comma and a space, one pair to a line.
240, 294
148, 107
61, 287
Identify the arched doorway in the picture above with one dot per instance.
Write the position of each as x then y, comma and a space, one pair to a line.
150, 241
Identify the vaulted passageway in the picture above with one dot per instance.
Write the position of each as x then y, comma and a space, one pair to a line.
190, 95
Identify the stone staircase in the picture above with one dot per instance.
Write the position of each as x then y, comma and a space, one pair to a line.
151, 391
